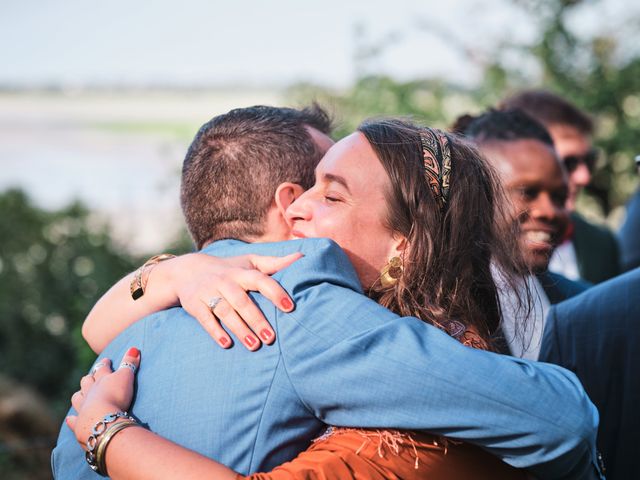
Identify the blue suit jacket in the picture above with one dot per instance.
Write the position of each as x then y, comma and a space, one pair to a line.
342, 359
596, 335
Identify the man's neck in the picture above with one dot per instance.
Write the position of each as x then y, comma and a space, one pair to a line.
266, 238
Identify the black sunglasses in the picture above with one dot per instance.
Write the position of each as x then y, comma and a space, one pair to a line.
589, 159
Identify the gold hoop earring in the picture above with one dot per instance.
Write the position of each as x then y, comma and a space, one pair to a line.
391, 272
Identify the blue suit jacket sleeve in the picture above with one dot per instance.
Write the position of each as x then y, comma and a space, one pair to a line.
354, 363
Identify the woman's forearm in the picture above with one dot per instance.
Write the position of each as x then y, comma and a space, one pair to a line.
116, 310
138, 454
193, 281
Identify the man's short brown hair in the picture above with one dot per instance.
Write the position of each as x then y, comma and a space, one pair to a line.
549, 109
237, 160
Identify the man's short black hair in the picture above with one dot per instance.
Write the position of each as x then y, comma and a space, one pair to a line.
502, 126
237, 160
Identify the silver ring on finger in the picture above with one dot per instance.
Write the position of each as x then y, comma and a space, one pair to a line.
128, 365
213, 303
96, 367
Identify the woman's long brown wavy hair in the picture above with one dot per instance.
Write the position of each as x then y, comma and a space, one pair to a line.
452, 251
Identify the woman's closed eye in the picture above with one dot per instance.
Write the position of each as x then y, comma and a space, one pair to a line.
332, 198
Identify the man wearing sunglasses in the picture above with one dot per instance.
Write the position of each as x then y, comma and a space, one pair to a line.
589, 252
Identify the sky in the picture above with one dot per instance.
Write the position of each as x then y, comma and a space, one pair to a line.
261, 43
255, 43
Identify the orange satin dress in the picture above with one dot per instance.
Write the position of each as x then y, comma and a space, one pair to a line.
360, 454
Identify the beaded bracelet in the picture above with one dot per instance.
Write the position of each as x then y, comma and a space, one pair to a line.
138, 284
94, 442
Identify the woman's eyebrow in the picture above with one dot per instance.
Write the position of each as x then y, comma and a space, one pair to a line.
330, 177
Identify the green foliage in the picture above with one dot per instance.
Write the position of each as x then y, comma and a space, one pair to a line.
53, 267
378, 96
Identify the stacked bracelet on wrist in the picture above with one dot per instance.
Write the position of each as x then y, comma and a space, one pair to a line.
100, 437
139, 282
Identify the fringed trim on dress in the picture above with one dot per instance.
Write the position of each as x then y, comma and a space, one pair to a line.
391, 440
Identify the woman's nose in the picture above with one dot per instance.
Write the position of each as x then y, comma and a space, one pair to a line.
299, 209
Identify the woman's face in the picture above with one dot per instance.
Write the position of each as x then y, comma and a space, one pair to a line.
347, 204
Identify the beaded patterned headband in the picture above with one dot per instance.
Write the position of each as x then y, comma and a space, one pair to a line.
437, 163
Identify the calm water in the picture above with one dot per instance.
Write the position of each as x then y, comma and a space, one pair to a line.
119, 153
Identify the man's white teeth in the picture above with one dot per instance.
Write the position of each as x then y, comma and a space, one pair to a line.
538, 236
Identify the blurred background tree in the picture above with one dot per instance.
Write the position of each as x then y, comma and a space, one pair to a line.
53, 267
600, 73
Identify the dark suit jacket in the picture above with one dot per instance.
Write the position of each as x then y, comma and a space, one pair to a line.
629, 234
597, 251
597, 336
559, 288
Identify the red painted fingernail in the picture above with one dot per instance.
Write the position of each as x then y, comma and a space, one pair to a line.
133, 352
266, 334
250, 341
286, 303
224, 341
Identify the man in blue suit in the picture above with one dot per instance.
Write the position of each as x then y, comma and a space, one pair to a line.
596, 336
340, 358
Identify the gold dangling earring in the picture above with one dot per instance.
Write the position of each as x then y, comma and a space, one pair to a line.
391, 272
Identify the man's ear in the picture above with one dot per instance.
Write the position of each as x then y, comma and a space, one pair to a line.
286, 193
